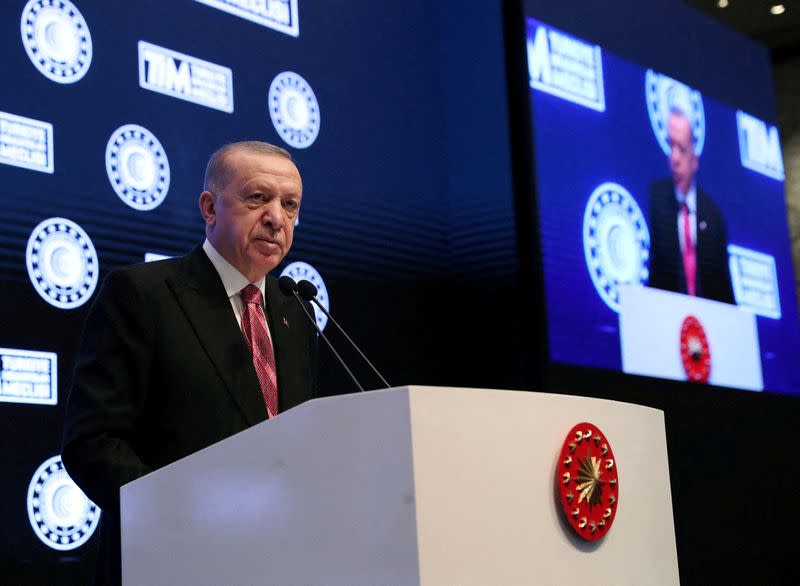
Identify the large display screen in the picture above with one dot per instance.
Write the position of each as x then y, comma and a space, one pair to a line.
664, 234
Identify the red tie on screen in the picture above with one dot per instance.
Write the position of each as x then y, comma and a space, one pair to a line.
254, 327
689, 254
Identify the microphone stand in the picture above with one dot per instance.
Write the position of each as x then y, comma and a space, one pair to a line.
330, 317
287, 285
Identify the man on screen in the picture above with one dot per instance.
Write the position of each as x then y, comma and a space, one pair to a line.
179, 354
688, 239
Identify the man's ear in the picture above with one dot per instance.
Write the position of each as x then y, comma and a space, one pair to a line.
207, 203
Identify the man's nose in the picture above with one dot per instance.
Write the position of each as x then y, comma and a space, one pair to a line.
272, 215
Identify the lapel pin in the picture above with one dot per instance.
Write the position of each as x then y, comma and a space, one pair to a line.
703, 225
286, 322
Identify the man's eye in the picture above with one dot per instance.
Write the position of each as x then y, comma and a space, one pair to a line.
256, 197
291, 204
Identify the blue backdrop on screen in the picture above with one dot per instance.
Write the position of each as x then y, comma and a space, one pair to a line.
590, 134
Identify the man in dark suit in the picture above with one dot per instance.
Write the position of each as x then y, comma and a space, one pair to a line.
688, 239
179, 354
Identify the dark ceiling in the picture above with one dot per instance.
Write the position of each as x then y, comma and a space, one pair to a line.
781, 32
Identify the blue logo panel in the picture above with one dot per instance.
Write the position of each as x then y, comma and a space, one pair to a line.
663, 95
294, 110
26, 143
185, 77
62, 263
616, 241
303, 271
28, 376
759, 146
57, 39
60, 514
565, 66
279, 15
755, 281
137, 167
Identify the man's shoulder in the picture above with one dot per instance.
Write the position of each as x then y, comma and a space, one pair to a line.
662, 186
705, 197
706, 205
150, 271
662, 198
150, 275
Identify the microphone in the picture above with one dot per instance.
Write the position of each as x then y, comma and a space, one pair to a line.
288, 287
308, 291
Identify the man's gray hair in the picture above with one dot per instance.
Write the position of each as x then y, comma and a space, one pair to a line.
217, 171
678, 111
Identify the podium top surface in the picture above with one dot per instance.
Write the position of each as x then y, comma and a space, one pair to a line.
403, 486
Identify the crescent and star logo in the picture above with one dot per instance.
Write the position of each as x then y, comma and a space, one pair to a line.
62, 263
663, 95
294, 110
57, 39
302, 270
616, 241
137, 167
60, 514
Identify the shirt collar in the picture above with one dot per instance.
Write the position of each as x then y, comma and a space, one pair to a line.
232, 279
690, 198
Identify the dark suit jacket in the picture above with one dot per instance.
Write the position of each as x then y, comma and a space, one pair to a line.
163, 371
666, 260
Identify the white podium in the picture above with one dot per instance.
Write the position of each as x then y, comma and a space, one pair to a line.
415, 485
650, 330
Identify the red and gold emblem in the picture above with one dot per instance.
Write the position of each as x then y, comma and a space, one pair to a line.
695, 351
587, 481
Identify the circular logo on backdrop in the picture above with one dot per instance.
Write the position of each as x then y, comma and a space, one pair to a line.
302, 270
62, 263
56, 39
294, 109
60, 514
664, 94
137, 167
588, 485
695, 350
616, 241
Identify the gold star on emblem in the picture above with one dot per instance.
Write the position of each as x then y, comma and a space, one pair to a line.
588, 480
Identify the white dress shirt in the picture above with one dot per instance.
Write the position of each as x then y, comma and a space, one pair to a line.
234, 282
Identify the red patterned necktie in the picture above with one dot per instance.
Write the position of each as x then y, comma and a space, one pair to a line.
254, 327
689, 253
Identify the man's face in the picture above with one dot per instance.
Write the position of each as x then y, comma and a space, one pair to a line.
251, 221
683, 161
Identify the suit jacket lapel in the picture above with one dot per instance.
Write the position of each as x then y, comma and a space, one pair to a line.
702, 245
702, 220
676, 255
284, 332
200, 293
